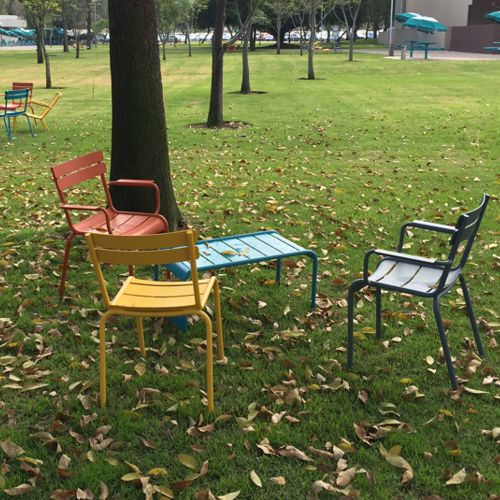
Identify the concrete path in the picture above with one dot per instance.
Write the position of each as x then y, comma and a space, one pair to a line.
440, 55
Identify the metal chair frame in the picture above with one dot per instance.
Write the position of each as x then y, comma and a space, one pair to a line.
463, 232
16, 104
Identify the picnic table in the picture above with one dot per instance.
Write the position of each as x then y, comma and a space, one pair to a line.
419, 45
495, 48
239, 250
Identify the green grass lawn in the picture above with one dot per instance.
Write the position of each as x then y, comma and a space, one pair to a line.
337, 164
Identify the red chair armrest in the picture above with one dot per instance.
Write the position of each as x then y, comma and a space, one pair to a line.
91, 208
140, 183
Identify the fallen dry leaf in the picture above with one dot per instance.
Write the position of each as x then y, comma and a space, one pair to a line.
457, 478
255, 479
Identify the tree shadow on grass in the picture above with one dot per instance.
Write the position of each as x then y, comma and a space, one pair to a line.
234, 125
257, 92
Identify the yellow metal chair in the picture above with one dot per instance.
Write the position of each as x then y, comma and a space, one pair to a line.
143, 298
46, 108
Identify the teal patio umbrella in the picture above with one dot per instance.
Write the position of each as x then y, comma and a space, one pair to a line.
425, 24
493, 16
404, 16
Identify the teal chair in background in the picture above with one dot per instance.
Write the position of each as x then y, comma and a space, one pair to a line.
16, 104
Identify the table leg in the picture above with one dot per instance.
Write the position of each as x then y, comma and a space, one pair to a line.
426, 51
278, 271
314, 259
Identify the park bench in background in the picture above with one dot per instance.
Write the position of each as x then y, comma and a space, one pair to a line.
145, 298
107, 218
422, 277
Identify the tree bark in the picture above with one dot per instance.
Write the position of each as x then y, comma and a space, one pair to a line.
39, 42
89, 25
64, 15
139, 132
188, 39
278, 31
312, 38
253, 39
215, 113
77, 43
164, 50
245, 77
48, 77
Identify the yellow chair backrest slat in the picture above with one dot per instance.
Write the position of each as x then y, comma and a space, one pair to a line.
143, 257
163, 248
145, 242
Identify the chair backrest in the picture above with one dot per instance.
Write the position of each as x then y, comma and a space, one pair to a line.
163, 248
19, 98
21, 85
467, 227
81, 169
52, 103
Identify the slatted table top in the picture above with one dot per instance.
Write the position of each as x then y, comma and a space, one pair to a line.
239, 250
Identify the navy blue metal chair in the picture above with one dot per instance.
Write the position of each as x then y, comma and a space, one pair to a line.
432, 278
16, 104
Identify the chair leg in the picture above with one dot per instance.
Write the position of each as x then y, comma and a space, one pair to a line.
378, 306
210, 360
31, 128
140, 334
102, 358
45, 126
62, 284
472, 318
218, 323
355, 286
14, 124
444, 343
7, 127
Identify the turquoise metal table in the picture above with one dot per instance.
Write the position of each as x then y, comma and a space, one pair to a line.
231, 251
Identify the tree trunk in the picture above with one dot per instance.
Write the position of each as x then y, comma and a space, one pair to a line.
278, 32
312, 38
188, 40
77, 42
64, 15
139, 132
89, 26
48, 77
39, 43
351, 45
253, 39
215, 113
245, 78
164, 50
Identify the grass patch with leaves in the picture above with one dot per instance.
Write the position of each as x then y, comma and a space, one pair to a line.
338, 165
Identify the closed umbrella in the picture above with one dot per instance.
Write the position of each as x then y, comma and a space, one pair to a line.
493, 16
425, 24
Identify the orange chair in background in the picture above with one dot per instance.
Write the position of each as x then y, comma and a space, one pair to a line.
145, 298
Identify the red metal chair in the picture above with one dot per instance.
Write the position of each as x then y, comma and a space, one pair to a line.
108, 219
25, 85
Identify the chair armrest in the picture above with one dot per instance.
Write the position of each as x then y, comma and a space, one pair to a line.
401, 257
422, 224
140, 183
91, 208
38, 103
